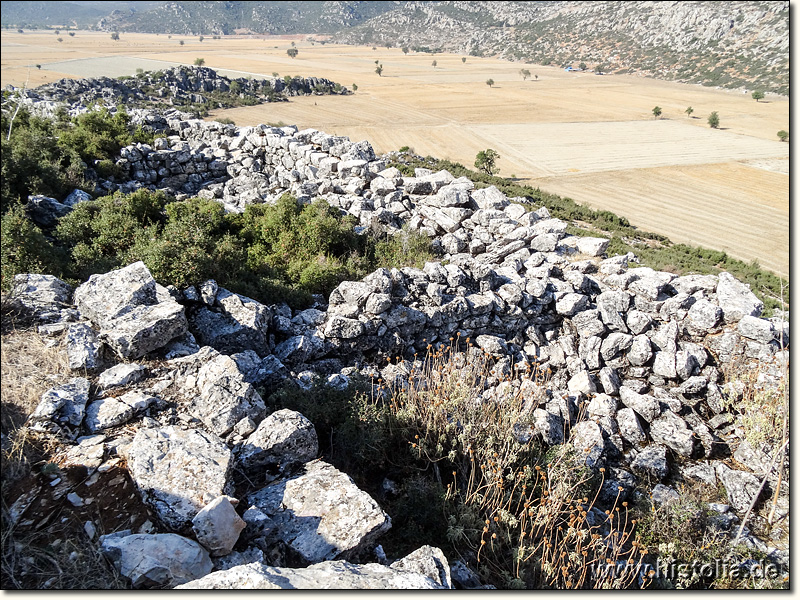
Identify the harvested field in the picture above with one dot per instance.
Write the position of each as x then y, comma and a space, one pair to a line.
590, 137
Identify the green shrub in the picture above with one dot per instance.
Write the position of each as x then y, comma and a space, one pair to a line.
24, 248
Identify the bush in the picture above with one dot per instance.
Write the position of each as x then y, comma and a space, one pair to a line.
24, 249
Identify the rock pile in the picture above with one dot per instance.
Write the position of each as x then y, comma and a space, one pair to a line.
636, 360
177, 86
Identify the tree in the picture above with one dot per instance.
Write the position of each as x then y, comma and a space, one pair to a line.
434, 63
60, 39
405, 49
536, 77
199, 62
379, 70
355, 87
57, 31
490, 82
292, 52
463, 59
486, 161
758, 95
38, 66
582, 66
783, 135
115, 36
689, 111
525, 74
656, 111
293, 45
713, 120
181, 42
201, 38
71, 34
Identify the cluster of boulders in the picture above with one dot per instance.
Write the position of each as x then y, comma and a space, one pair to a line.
635, 361
172, 86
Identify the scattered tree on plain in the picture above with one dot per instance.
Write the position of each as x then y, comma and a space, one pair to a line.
201, 38
181, 42
292, 52
656, 112
758, 95
463, 59
115, 36
71, 34
689, 111
783, 135
434, 63
486, 161
536, 77
355, 87
379, 70
60, 39
405, 49
525, 74
490, 82
199, 62
713, 120
582, 66
38, 66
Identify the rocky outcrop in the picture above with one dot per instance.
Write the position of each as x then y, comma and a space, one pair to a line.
424, 569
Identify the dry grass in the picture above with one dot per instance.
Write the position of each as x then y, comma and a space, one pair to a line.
523, 513
29, 368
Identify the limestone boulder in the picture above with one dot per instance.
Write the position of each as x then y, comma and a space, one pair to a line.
283, 440
178, 471
156, 560
321, 514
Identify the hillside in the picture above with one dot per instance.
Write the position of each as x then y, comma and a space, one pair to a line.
742, 44
732, 45
257, 17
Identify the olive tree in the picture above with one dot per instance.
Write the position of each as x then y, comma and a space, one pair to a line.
486, 161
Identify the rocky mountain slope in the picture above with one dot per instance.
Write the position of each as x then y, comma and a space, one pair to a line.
725, 44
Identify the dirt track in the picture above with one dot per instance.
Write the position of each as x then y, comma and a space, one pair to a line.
590, 137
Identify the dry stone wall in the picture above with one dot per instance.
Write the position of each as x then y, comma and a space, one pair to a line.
636, 357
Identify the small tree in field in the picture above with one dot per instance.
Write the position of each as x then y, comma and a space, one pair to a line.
536, 77
433, 64
582, 66
486, 161
463, 59
201, 38
405, 49
379, 70
783, 135
689, 111
757, 95
199, 62
490, 82
181, 42
115, 36
713, 120
656, 112
71, 34
525, 74
292, 52
355, 87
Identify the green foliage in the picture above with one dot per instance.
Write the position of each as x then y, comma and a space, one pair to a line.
115, 36
656, 112
490, 82
713, 120
379, 70
757, 95
486, 161
783, 135
689, 111
199, 62
24, 248
525, 73
292, 52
